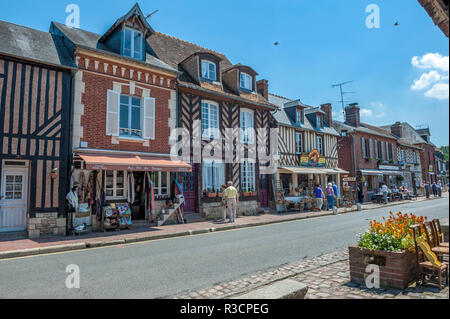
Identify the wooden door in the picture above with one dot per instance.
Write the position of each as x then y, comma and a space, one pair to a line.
190, 190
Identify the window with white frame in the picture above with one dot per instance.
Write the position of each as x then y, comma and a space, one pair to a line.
246, 81
319, 142
213, 175
248, 176
130, 116
299, 142
160, 181
115, 184
299, 116
210, 120
132, 44
247, 127
209, 70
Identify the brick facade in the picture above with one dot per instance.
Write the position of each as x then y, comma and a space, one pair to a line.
427, 159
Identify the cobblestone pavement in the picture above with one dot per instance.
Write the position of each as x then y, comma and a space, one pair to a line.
327, 276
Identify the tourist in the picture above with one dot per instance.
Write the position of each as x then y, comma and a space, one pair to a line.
336, 194
439, 189
434, 189
319, 197
223, 204
427, 189
232, 199
329, 192
385, 191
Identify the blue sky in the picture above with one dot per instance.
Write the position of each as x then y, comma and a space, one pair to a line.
400, 73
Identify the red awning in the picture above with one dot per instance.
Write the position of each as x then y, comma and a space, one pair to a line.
133, 163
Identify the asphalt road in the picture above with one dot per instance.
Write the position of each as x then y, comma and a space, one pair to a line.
167, 267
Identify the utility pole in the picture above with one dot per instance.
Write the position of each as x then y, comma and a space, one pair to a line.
340, 85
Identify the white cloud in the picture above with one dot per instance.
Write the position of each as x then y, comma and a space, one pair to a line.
378, 109
426, 80
436, 78
431, 61
366, 113
438, 91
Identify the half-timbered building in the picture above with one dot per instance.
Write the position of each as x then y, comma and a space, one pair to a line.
35, 101
214, 95
308, 146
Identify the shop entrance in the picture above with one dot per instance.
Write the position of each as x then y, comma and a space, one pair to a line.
138, 206
189, 190
263, 193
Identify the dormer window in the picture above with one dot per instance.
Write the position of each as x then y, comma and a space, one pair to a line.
246, 81
319, 121
209, 70
132, 44
299, 116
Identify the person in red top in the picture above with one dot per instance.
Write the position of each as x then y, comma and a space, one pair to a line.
329, 192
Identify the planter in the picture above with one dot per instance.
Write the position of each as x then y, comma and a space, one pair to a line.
247, 194
254, 194
219, 195
211, 195
397, 269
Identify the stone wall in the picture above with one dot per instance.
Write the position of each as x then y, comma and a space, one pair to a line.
46, 225
214, 210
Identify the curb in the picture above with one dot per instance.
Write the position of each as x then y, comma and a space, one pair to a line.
108, 243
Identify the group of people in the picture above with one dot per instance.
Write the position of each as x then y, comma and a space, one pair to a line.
331, 194
436, 189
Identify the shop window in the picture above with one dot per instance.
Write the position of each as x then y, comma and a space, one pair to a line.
130, 116
132, 44
213, 174
248, 176
210, 120
115, 184
209, 70
247, 127
160, 181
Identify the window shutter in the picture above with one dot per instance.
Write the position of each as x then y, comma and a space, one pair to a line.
376, 149
371, 148
112, 113
149, 118
363, 147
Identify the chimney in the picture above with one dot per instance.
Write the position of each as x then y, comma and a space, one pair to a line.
262, 86
352, 116
327, 108
396, 129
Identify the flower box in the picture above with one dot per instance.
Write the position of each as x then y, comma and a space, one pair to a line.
397, 268
246, 194
254, 194
211, 195
219, 195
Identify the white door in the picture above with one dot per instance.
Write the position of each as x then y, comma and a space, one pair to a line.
13, 199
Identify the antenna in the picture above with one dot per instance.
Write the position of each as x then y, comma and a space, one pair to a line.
149, 16
340, 85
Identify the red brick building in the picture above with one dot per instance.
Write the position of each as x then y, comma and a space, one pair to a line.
369, 153
124, 110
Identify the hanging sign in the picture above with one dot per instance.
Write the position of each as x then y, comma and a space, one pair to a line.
313, 159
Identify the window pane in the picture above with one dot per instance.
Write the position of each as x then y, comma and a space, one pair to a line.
124, 117
136, 101
204, 69
137, 45
109, 179
120, 193
212, 71
127, 43
120, 180
136, 118
124, 99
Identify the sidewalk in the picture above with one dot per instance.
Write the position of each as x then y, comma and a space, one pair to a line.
29, 247
327, 277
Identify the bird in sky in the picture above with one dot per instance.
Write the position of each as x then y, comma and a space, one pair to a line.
396, 23
276, 43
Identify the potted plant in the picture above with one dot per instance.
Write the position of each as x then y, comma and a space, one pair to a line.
390, 246
253, 193
211, 193
219, 193
246, 193
54, 173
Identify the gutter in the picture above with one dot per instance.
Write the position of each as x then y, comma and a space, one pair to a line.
58, 66
113, 152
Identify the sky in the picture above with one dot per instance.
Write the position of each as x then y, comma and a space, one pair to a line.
399, 73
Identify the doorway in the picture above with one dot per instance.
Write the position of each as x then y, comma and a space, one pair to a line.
14, 196
263, 193
189, 190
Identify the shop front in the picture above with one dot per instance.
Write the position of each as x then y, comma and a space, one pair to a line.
372, 180
116, 190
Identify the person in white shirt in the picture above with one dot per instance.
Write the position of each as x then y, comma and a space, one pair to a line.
385, 190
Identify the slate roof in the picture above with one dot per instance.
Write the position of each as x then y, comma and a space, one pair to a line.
88, 40
33, 45
283, 119
409, 134
364, 128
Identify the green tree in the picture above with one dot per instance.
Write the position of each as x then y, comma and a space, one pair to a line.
445, 149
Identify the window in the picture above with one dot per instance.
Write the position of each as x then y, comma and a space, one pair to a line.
299, 116
115, 184
378, 148
248, 176
246, 81
210, 120
132, 44
319, 141
247, 127
319, 121
299, 143
14, 187
160, 181
213, 174
209, 70
130, 116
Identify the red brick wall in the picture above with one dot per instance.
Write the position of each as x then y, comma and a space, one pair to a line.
94, 100
425, 156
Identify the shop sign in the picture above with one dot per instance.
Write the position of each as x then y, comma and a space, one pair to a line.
349, 179
386, 167
430, 168
313, 159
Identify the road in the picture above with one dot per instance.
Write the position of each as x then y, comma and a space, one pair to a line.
167, 267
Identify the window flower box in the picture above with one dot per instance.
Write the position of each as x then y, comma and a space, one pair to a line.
247, 194
211, 195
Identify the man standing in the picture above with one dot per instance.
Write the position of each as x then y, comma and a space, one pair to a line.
223, 204
319, 197
385, 190
427, 189
330, 196
232, 199
434, 189
336, 194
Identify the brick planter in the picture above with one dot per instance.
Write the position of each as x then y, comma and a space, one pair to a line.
397, 269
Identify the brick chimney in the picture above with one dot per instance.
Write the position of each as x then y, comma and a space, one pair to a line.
352, 116
262, 86
396, 129
327, 108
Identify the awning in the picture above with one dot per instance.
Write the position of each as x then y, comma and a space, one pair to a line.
392, 173
133, 163
334, 171
303, 170
373, 172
